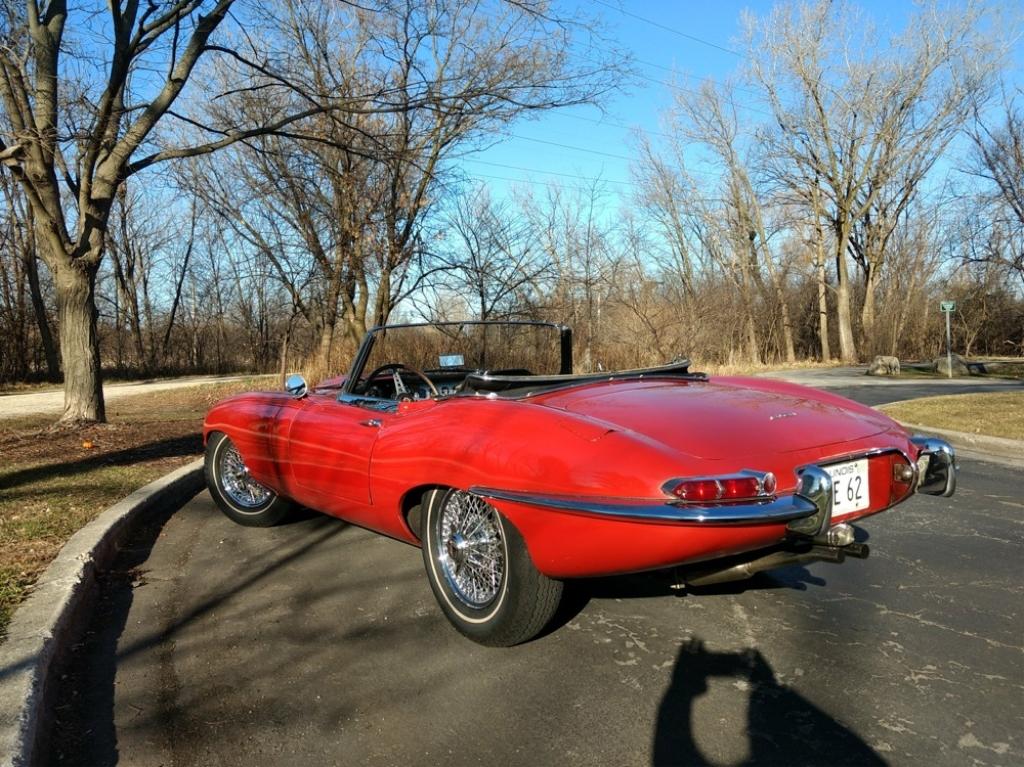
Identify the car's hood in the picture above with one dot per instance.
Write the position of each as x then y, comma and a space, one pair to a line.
721, 418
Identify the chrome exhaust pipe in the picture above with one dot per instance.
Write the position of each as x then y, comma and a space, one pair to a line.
784, 557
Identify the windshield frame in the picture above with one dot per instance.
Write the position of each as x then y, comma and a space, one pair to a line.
366, 347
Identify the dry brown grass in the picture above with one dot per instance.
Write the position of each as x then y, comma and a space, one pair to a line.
997, 414
747, 369
54, 482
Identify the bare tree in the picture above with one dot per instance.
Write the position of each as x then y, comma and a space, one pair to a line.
79, 129
82, 120
19, 260
998, 160
710, 117
711, 225
492, 257
577, 243
351, 199
858, 115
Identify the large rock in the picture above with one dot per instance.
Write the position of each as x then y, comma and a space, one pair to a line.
884, 366
959, 366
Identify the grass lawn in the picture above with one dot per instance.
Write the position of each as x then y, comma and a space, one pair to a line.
997, 414
53, 483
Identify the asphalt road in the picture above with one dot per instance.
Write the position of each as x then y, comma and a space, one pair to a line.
318, 643
852, 382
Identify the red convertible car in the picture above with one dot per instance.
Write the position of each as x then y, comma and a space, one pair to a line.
476, 442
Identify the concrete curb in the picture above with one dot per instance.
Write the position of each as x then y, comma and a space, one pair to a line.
980, 443
43, 626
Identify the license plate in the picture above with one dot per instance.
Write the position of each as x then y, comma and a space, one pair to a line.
849, 487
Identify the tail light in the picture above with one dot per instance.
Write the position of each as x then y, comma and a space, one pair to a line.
745, 486
903, 476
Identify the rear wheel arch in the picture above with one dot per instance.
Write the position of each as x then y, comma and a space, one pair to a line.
412, 507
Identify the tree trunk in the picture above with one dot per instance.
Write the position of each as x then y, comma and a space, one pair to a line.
847, 346
901, 315
42, 321
166, 345
776, 282
79, 344
826, 351
128, 290
844, 318
283, 367
326, 344
867, 312
752, 349
750, 321
777, 286
787, 323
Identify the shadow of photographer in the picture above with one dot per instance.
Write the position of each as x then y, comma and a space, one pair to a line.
782, 728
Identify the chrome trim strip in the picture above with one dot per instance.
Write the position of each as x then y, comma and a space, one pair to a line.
939, 475
782, 509
832, 461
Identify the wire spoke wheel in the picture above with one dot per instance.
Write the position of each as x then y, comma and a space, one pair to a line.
470, 550
234, 479
481, 572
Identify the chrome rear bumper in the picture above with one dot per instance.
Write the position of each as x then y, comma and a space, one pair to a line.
936, 467
808, 512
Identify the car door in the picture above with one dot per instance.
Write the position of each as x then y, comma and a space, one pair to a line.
330, 443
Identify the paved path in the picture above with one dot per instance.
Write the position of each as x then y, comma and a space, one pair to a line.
855, 377
52, 401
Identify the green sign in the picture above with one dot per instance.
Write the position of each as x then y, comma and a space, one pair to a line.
949, 306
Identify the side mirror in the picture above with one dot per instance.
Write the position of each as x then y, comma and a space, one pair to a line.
295, 385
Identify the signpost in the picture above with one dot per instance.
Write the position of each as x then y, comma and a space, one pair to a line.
948, 307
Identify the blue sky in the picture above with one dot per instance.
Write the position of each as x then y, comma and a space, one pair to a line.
580, 143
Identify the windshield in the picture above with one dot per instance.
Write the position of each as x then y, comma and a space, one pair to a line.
500, 348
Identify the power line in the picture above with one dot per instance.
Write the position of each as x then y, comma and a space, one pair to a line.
674, 31
592, 179
531, 182
675, 70
682, 89
692, 92
574, 148
615, 124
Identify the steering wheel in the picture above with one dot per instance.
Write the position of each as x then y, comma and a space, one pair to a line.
394, 368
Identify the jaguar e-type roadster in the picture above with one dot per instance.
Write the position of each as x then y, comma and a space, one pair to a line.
476, 442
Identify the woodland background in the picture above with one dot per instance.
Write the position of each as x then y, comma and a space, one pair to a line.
215, 187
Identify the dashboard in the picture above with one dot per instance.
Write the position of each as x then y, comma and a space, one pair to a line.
446, 381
